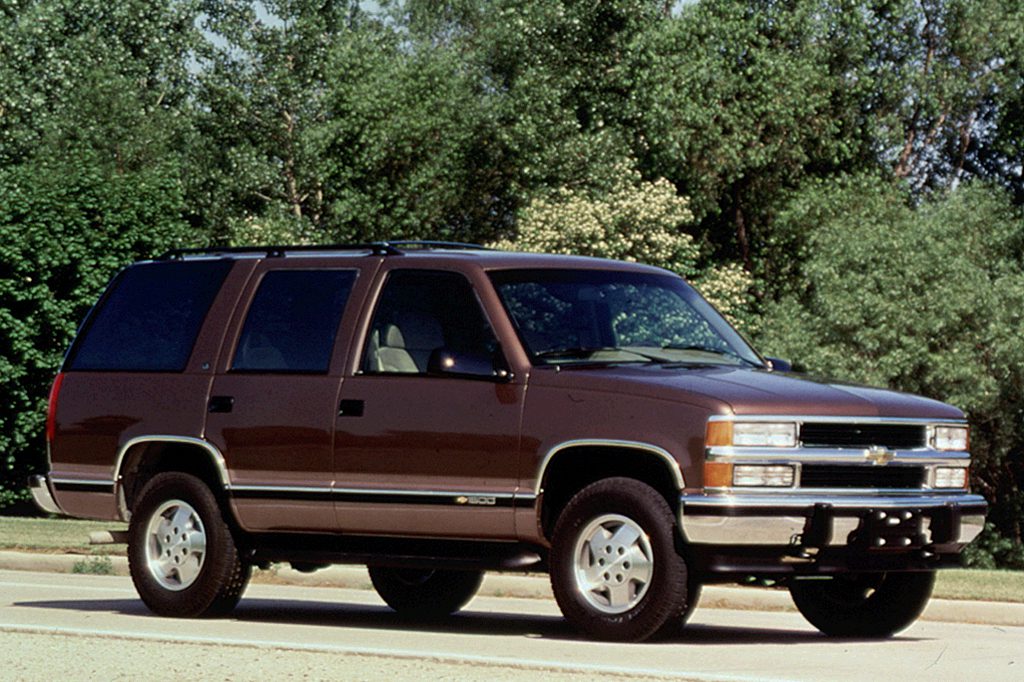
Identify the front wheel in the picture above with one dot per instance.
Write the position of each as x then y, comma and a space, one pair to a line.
615, 569
871, 605
425, 593
181, 554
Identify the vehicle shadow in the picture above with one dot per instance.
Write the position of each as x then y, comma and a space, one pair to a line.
470, 622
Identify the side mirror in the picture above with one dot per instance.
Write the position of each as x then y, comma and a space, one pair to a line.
446, 362
779, 365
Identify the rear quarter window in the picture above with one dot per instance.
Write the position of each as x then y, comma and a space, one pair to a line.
149, 318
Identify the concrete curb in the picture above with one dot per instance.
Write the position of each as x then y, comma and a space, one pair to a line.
519, 586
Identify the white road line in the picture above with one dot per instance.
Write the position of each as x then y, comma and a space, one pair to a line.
389, 653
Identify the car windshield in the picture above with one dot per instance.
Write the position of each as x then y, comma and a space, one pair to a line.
575, 316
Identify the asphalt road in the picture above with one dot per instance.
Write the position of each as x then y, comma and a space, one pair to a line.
81, 627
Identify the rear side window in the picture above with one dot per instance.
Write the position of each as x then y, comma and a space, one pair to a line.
293, 320
149, 318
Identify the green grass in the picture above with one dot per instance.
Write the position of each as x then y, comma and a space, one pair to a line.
95, 565
55, 536
980, 585
72, 536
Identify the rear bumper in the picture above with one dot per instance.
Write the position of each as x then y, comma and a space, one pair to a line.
42, 494
875, 521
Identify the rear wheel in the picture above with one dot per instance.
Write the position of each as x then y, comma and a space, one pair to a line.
863, 605
426, 593
181, 554
615, 569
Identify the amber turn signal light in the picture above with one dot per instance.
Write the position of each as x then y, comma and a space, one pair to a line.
719, 434
717, 474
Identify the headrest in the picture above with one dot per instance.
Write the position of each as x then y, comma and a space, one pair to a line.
393, 337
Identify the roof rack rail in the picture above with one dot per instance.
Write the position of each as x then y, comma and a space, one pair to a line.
432, 244
386, 248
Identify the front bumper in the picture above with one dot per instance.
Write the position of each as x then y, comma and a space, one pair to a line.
876, 521
42, 494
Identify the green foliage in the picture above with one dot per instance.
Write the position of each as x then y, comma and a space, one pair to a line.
260, 84
635, 221
933, 73
557, 79
62, 60
97, 565
738, 104
92, 103
409, 148
994, 550
928, 300
68, 226
741, 102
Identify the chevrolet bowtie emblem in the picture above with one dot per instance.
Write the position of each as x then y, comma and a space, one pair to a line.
879, 456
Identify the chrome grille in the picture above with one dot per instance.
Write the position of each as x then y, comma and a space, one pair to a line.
841, 435
861, 476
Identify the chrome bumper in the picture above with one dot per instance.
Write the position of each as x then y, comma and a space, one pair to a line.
42, 494
818, 521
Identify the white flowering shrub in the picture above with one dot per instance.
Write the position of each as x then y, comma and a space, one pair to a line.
636, 220
270, 231
728, 286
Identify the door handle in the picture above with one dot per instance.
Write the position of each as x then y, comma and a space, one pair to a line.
220, 403
350, 408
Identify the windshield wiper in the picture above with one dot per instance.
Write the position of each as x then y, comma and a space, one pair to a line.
713, 351
584, 353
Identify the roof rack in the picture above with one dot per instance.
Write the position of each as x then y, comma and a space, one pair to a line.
430, 244
385, 248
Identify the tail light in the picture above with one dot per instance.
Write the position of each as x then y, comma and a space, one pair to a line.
51, 411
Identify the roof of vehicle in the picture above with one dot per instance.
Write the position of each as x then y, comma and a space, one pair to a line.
482, 256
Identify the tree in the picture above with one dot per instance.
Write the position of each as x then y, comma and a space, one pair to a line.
260, 86
556, 78
61, 61
926, 300
937, 69
738, 107
409, 147
68, 226
93, 120
745, 101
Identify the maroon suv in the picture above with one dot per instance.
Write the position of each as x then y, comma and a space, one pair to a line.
435, 411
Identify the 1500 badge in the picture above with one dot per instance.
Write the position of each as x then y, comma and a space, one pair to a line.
479, 500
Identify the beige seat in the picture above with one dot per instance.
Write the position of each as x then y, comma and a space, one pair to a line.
406, 345
258, 353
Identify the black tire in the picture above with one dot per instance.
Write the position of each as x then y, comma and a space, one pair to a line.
643, 592
209, 577
419, 593
873, 605
693, 590
674, 626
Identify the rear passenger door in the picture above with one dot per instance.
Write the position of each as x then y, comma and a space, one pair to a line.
272, 405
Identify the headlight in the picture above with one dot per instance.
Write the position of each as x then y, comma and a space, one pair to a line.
751, 434
950, 438
730, 475
765, 434
762, 434
951, 477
